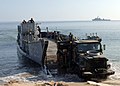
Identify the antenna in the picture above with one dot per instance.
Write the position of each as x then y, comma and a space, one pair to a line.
96, 34
93, 34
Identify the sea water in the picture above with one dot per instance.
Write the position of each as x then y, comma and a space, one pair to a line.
11, 66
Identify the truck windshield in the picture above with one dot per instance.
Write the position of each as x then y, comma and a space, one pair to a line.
88, 46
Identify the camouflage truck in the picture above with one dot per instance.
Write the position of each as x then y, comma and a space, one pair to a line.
83, 57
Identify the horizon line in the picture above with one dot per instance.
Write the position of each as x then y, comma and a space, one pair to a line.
55, 21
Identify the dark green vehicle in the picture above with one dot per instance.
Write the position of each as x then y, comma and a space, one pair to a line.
83, 57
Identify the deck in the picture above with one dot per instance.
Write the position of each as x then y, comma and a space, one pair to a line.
51, 53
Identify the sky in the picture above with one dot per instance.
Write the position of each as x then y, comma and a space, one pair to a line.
58, 10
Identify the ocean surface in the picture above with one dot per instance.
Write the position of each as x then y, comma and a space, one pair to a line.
12, 67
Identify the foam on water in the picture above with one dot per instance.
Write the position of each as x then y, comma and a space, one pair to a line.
12, 68
116, 68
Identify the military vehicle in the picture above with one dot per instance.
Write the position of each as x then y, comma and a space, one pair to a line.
82, 57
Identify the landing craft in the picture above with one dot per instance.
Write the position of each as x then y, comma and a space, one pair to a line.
82, 57
31, 43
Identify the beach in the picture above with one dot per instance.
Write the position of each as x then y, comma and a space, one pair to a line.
14, 72
53, 83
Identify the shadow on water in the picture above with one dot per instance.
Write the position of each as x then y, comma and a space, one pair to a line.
39, 74
34, 69
30, 65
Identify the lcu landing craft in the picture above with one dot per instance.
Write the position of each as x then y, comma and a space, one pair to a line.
30, 42
81, 57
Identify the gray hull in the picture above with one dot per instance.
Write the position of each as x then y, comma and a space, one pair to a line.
22, 55
30, 42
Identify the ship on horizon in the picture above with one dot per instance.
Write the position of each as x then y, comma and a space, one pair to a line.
99, 19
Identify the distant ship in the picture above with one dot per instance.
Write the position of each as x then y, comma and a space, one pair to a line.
99, 19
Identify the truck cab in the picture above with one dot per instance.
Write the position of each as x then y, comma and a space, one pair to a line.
82, 57
90, 59
90, 47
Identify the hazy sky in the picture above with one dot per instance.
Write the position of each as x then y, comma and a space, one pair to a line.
58, 10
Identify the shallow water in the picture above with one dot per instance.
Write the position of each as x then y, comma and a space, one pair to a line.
11, 66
